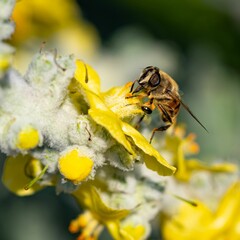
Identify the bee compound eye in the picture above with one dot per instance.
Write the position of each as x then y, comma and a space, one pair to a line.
142, 80
146, 71
147, 110
148, 68
155, 80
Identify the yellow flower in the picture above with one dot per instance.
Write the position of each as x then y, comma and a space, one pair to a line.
28, 138
202, 223
181, 146
58, 14
75, 167
58, 22
97, 216
110, 109
18, 172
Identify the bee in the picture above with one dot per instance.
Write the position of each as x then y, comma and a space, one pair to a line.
161, 92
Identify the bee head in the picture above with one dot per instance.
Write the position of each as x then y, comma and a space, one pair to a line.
150, 77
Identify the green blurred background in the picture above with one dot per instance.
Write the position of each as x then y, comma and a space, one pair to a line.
197, 43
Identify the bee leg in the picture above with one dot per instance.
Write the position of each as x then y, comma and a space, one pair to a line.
131, 89
160, 129
139, 95
147, 109
139, 121
137, 89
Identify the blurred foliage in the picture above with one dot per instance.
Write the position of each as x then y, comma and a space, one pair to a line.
186, 23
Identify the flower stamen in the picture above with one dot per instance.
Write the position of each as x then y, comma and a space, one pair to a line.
89, 227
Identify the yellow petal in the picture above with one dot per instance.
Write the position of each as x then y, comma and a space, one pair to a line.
152, 159
134, 232
88, 196
113, 124
200, 223
15, 178
234, 230
229, 207
201, 213
99, 112
87, 77
75, 167
190, 146
116, 232
190, 223
115, 99
28, 138
174, 144
187, 166
90, 81
194, 164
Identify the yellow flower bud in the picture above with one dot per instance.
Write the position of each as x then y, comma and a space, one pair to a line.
16, 174
4, 62
33, 168
28, 138
75, 167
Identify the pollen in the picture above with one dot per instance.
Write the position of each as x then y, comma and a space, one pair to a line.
28, 138
75, 167
121, 102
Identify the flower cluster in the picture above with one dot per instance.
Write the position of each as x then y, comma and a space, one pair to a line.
7, 28
65, 122
211, 208
203, 222
58, 129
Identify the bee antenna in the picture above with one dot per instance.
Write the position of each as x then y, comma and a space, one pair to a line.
190, 112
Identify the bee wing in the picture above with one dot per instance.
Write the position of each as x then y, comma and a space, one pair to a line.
164, 112
187, 109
